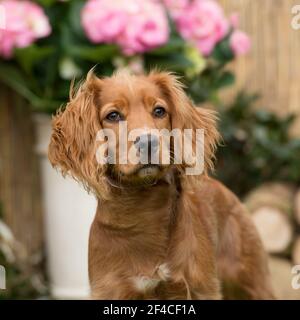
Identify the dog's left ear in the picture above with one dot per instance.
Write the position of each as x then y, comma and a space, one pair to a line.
186, 116
73, 145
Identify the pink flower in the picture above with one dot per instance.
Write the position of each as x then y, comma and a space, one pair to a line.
234, 20
239, 42
136, 26
25, 22
203, 23
175, 7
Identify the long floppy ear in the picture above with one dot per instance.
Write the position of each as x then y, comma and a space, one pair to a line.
72, 147
186, 116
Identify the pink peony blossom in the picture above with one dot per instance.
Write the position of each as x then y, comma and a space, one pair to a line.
175, 7
25, 22
136, 26
234, 20
203, 23
239, 42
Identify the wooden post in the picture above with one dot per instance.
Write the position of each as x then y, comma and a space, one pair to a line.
19, 182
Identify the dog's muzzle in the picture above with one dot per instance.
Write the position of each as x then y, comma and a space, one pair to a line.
147, 145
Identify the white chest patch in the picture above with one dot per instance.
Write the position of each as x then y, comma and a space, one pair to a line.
146, 284
164, 272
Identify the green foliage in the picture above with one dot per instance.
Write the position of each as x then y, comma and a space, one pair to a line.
257, 147
24, 275
20, 284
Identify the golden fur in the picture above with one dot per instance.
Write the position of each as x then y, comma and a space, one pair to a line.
181, 237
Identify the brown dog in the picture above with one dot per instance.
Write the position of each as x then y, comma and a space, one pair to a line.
158, 233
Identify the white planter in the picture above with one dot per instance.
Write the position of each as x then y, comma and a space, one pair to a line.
69, 212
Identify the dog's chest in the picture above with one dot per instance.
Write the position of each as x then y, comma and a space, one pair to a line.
147, 283
159, 285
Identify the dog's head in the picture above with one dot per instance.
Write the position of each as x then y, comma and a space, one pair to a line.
120, 130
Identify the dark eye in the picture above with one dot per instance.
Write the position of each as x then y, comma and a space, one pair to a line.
114, 116
159, 112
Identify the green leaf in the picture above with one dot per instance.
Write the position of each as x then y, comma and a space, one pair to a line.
197, 60
223, 52
46, 3
74, 17
12, 77
264, 115
175, 62
172, 46
225, 79
29, 56
96, 54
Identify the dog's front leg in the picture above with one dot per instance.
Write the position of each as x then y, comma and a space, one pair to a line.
192, 252
198, 285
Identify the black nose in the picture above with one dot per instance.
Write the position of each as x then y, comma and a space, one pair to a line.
147, 144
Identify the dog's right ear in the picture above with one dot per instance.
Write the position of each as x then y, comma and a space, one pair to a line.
72, 147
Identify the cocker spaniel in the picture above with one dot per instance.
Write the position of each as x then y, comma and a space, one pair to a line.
159, 232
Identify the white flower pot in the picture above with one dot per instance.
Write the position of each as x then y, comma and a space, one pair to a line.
69, 212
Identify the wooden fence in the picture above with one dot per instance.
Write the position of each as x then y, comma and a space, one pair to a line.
19, 179
273, 65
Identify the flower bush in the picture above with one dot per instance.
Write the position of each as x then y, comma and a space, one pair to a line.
25, 22
130, 24
46, 43
258, 146
203, 23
